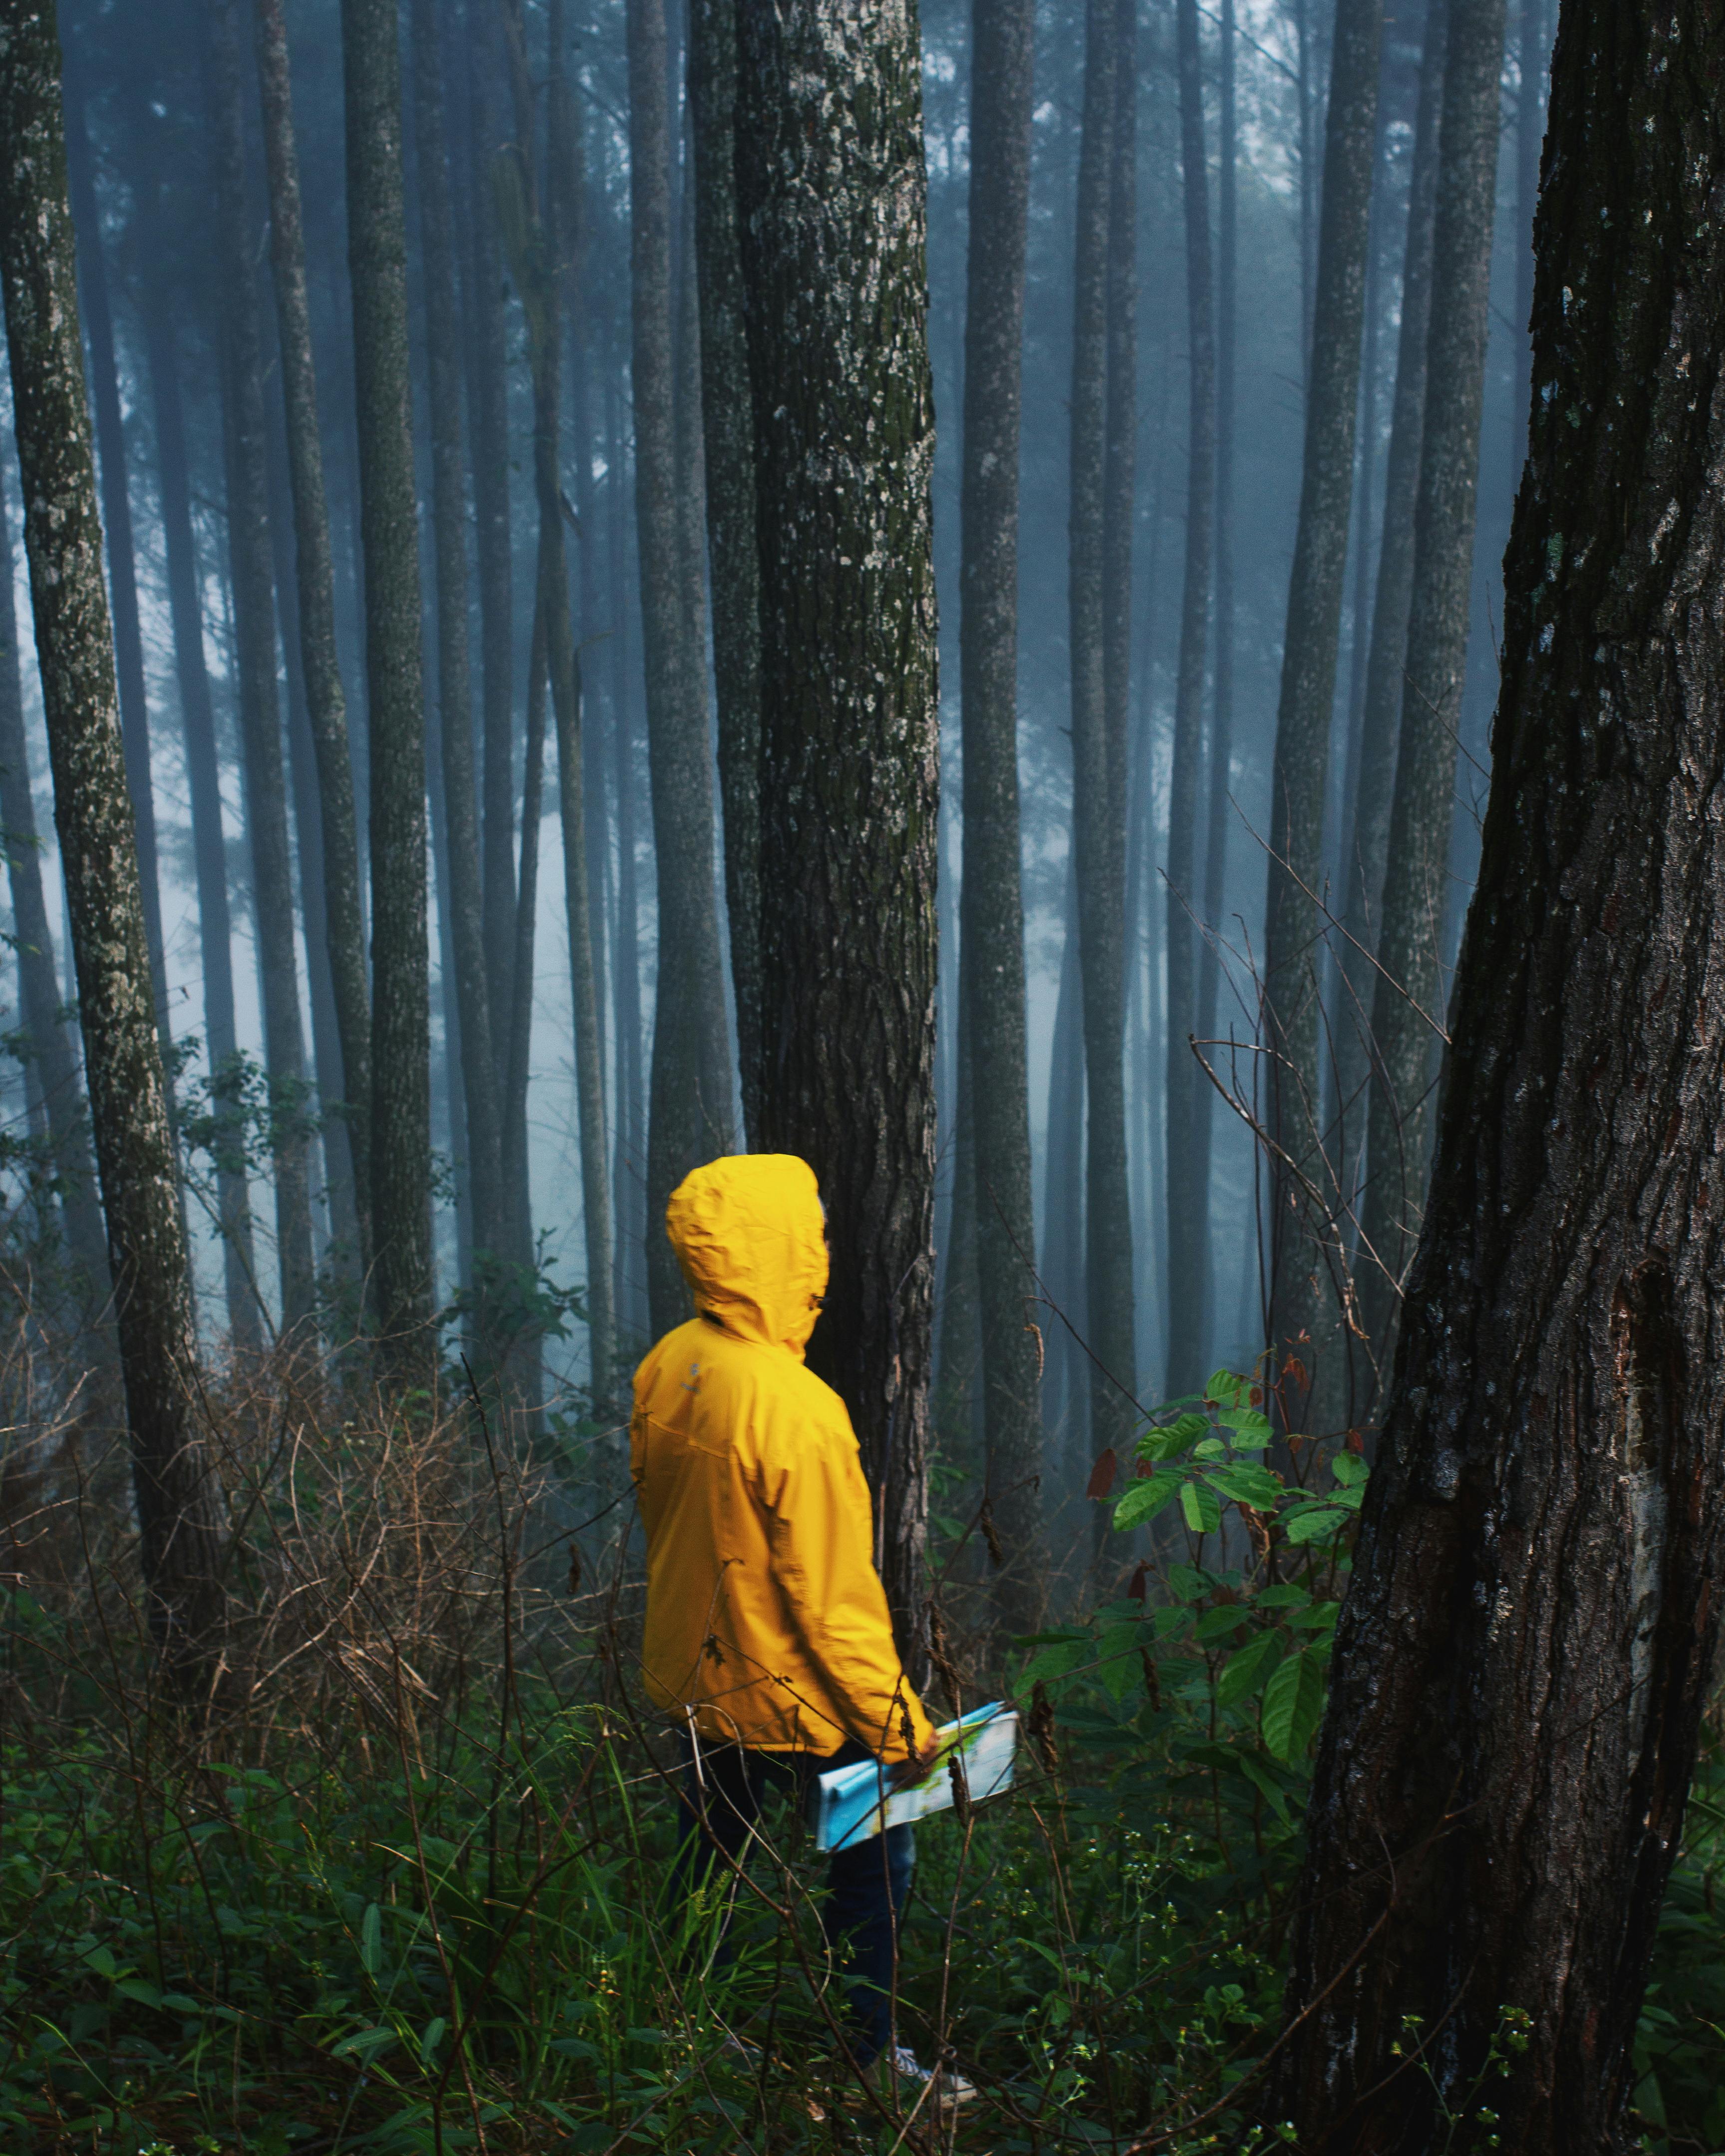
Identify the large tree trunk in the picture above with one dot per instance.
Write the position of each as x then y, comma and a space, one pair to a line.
203, 785
628, 1173
129, 1107
1406, 1017
1379, 719
401, 1013
690, 1117
327, 705
832, 192
729, 435
1187, 1199
463, 896
1098, 790
1305, 1333
47, 1045
1528, 1639
253, 571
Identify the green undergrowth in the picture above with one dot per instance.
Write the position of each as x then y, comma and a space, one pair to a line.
451, 1932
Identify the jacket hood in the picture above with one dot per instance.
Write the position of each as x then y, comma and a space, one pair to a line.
751, 1238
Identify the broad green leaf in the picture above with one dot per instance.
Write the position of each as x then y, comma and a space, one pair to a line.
1171, 1624
1217, 1623
1227, 1386
1248, 1483
363, 2043
1247, 1669
1348, 1468
1172, 1439
431, 2036
1054, 1661
1312, 1526
1186, 1583
1143, 1501
1293, 1705
1210, 1448
1251, 1426
1202, 1506
1321, 1617
371, 1939
1117, 1652
1284, 1597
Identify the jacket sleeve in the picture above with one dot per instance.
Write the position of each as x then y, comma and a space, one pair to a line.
821, 1541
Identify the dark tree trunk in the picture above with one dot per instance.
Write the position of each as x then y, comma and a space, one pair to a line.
628, 1176
1063, 1206
1303, 1224
1380, 717
204, 784
253, 571
1499, 1799
690, 1115
832, 192
401, 1014
1533, 38
117, 529
463, 896
47, 1046
728, 426
1098, 793
960, 1339
1406, 1013
1220, 812
129, 1107
488, 419
326, 704
1187, 1199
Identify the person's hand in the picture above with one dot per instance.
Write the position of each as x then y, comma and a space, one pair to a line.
905, 1774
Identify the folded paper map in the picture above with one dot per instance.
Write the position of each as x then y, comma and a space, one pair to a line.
851, 1804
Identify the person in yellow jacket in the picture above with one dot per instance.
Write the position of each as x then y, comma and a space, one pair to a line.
767, 1639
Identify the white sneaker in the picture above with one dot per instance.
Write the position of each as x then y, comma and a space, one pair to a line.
902, 2064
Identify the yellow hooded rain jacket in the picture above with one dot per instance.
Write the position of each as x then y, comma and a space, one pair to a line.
766, 1623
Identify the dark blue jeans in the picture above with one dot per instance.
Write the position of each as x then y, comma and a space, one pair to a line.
721, 1801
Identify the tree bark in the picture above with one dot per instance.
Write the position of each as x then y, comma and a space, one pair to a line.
1304, 1331
992, 943
1188, 1200
129, 1107
464, 896
729, 432
628, 1176
1363, 869
1502, 1772
401, 1005
1406, 1013
327, 705
253, 571
689, 1115
832, 192
1063, 1204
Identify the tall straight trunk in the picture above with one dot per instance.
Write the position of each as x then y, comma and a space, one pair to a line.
400, 1013
690, 1117
1188, 1200
1063, 1202
49, 1049
1532, 38
204, 784
1303, 1224
253, 571
1381, 713
960, 1340
117, 527
831, 191
463, 895
1499, 1797
729, 432
128, 1092
326, 703
993, 930
519, 1039
628, 1176
1098, 800
1220, 816
1406, 1016
488, 420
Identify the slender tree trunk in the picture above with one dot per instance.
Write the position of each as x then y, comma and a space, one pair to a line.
254, 576
1304, 1228
628, 1177
49, 1048
1532, 39
327, 705
833, 194
1188, 1200
488, 411
401, 1049
1406, 1014
1220, 812
690, 1115
1063, 1204
463, 894
520, 1036
129, 1106
1499, 1800
209, 845
960, 1339
728, 426
1379, 718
